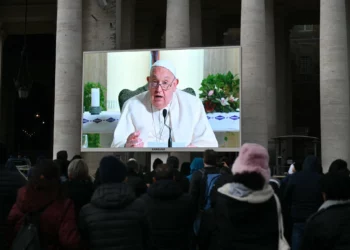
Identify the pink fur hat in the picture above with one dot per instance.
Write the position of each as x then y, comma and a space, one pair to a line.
252, 158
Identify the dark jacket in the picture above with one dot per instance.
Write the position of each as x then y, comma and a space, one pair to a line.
80, 192
114, 219
10, 181
303, 193
249, 223
209, 231
137, 184
58, 226
171, 215
182, 181
196, 186
222, 180
328, 229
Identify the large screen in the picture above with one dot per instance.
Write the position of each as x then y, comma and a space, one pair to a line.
162, 100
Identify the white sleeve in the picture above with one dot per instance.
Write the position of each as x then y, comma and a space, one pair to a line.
124, 127
203, 134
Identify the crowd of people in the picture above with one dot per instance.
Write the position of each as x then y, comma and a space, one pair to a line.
205, 204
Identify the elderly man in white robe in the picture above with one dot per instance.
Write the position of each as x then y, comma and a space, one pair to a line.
142, 121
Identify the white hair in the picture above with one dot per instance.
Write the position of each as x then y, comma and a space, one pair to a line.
78, 169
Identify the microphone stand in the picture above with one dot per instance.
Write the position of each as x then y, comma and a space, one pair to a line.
170, 140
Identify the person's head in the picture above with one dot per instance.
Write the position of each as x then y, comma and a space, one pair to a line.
173, 162
251, 167
112, 170
156, 163
62, 155
132, 166
339, 166
45, 176
209, 157
298, 166
223, 162
335, 186
185, 168
39, 159
162, 83
311, 164
196, 164
164, 172
78, 170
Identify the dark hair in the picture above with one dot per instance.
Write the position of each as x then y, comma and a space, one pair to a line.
298, 166
224, 159
338, 165
254, 181
336, 186
173, 162
156, 163
76, 157
62, 155
132, 166
46, 176
164, 172
209, 157
185, 168
63, 166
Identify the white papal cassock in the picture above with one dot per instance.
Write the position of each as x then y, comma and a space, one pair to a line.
186, 117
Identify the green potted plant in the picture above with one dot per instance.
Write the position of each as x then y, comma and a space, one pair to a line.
94, 139
220, 93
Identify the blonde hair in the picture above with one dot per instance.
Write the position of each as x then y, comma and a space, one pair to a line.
78, 169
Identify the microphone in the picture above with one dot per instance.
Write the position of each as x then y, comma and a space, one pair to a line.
170, 141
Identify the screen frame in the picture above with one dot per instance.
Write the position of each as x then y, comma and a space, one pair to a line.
162, 150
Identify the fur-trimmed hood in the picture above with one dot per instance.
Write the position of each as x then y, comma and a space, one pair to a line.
240, 192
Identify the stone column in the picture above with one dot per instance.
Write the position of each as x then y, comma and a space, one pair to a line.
280, 66
271, 78
98, 27
128, 24
196, 23
254, 87
334, 82
68, 77
270, 69
2, 127
118, 24
177, 34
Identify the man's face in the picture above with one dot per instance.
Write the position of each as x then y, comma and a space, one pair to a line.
161, 84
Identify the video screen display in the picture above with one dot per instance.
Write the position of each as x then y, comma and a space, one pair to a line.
170, 99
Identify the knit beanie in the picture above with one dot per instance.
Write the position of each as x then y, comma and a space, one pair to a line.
112, 170
252, 158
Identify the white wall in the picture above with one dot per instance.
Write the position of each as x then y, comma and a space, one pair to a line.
130, 69
189, 66
125, 70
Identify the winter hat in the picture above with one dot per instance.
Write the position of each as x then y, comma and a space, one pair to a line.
112, 170
252, 158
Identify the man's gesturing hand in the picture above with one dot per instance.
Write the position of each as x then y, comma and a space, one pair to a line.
134, 141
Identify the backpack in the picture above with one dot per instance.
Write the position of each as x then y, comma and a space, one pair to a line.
207, 184
27, 237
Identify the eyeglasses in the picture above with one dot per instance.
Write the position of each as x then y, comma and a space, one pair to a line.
164, 85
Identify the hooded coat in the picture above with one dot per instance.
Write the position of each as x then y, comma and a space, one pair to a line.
10, 181
329, 228
303, 192
58, 227
171, 214
246, 219
114, 219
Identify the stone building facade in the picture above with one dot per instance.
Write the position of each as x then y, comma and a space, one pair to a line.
263, 29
